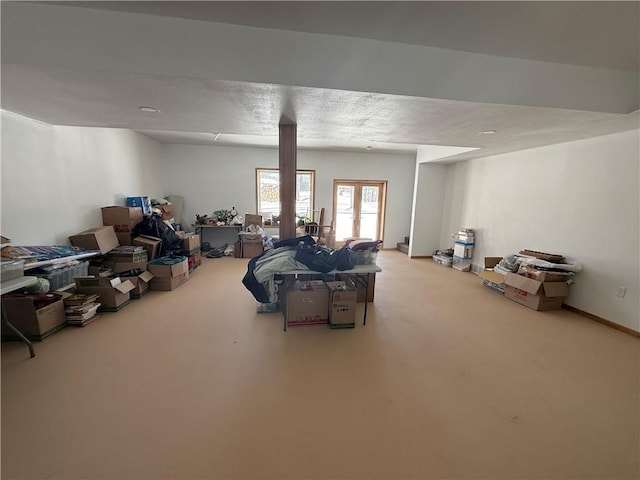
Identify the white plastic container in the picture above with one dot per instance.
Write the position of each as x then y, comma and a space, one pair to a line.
463, 250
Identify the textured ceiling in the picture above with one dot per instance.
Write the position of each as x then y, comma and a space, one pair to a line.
553, 31
86, 84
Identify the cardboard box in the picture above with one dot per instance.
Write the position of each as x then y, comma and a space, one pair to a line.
172, 268
100, 238
358, 284
128, 254
36, 316
140, 284
534, 294
168, 283
543, 275
252, 219
191, 243
307, 303
123, 219
251, 244
143, 202
151, 244
98, 270
489, 275
122, 260
342, 305
194, 260
119, 267
166, 212
251, 250
114, 293
125, 238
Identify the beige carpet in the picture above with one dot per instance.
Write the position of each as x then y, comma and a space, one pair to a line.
448, 379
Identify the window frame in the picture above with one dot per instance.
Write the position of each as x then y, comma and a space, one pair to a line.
311, 173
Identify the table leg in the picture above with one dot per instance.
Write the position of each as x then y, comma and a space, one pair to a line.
366, 299
22, 338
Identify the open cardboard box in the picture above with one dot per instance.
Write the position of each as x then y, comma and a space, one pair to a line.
534, 294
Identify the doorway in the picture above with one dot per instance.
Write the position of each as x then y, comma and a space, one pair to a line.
358, 208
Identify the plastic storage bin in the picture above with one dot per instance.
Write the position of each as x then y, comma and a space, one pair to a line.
366, 257
63, 277
11, 269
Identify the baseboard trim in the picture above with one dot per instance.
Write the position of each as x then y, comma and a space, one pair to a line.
420, 256
604, 321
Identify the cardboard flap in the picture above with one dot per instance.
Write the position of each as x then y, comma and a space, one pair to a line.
493, 277
490, 262
145, 276
149, 237
124, 287
529, 285
556, 289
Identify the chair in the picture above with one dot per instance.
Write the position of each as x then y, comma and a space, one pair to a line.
317, 227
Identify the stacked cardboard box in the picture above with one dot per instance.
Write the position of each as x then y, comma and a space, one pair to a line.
140, 280
36, 316
342, 305
536, 287
103, 239
357, 282
307, 303
113, 293
168, 273
123, 220
151, 244
191, 250
126, 257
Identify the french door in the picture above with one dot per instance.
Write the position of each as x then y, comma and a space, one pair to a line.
358, 209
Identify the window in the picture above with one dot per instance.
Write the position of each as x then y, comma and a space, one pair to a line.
268, 192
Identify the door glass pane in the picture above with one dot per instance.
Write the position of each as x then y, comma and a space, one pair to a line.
344, 211
369, 211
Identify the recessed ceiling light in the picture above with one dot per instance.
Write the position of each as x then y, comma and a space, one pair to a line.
488, 132
148, 109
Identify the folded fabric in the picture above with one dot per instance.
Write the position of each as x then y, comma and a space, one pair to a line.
360, 245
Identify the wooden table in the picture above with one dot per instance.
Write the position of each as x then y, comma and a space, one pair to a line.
200, 229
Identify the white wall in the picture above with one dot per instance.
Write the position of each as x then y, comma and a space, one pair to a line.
55, 179
212, 178
428, 205
579, 199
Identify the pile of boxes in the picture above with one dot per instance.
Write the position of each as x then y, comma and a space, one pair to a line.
250, 243
539, 288
127, 268
316, 302
169, 273
191, 249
